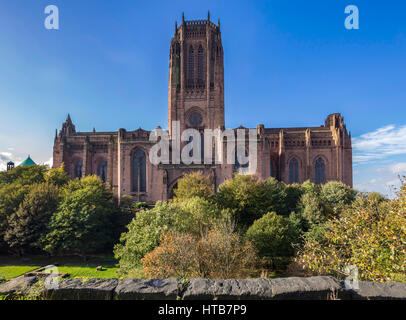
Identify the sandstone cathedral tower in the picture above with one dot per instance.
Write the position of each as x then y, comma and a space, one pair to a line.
196, 76
196, 100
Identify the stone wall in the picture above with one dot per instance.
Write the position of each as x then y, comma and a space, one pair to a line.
294, 288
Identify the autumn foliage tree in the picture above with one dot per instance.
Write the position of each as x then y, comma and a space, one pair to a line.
370, 234
220, 254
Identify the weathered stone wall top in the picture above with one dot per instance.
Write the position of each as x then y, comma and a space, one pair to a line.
294, 288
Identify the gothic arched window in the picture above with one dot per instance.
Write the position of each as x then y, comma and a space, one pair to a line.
78, 168
320, 171
212, 67
177, 65
102, 170
191, 65
200, 64
139, 171
273, 173
293, 171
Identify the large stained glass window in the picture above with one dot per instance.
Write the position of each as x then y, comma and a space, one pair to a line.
293, 171
191, 66
200, 65
102, 170
78, 168
320, 171
139, 171
273, 172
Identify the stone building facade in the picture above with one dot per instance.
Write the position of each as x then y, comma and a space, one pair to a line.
196, 100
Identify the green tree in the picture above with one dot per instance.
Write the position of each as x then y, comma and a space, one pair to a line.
11, 195
244, 197
143, 234
293, 194
83, 222
192, 216
58, 176
337, 194
194, 185
29, 222
23, 175
377, 197
312, 210
127, 210
273, 196
370, 235
274, 236
311, 188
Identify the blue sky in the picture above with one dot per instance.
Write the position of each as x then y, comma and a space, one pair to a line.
287, 63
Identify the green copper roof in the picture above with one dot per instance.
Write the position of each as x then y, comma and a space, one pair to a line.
27, 162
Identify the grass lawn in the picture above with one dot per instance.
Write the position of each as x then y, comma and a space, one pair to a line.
89, 271
10, 272
12, 266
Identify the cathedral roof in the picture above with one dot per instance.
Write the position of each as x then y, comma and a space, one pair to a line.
27, 162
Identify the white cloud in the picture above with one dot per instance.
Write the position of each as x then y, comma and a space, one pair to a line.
398, 168
379, 144
385, 185
50, 162
384, 179
4, 158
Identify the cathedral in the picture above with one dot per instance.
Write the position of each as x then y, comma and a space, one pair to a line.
196, 100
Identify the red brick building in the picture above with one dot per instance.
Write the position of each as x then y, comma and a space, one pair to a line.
196, 100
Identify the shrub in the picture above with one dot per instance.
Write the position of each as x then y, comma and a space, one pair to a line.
220, 254
224, 254
83, 221
274, 236
194, 185
174, 257
371, 235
